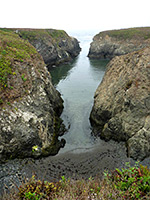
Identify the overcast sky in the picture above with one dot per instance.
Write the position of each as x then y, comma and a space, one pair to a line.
74, 14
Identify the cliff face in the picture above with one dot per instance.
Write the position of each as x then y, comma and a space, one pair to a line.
121, 108
29, 104
109, 44
55, 46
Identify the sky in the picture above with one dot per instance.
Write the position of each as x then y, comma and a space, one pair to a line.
75, 15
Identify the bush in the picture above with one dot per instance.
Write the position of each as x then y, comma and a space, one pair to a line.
36, 189
129, 183
132, 182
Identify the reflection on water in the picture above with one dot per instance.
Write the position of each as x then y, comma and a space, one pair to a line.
96, 66
77, 83
61, 72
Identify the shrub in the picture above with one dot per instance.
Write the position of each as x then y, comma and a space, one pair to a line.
132, 182
37, 189
126, 183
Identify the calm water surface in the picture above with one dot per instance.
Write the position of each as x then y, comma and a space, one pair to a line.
77, 83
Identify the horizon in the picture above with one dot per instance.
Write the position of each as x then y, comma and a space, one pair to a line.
75, 16
77, 31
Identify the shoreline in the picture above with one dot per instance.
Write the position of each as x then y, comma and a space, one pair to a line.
93, 163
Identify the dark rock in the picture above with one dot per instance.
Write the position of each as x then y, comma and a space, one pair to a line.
55, 46
30, 106
121, 103
109, 44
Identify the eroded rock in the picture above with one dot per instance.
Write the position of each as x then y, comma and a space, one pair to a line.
122, 101
109, 44
55, 46
29, 104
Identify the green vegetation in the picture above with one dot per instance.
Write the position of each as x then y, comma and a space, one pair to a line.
42, 34
23, 77
12, 49
131, 33
16, 58
132, 182
57, 34
1, 101
34, 148
128, 183
6, 30
32, 34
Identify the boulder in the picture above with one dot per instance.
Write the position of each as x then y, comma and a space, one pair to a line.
109, 44
121, 108
29, 104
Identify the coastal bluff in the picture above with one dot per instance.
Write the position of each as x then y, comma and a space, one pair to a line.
121, 108
121, 102
55, 46
30, 106
108, 44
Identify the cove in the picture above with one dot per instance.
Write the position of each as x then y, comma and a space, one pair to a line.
77, 83
82, 156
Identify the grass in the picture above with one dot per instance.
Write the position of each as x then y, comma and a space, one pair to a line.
33, 34
127, 183
16, 52
57, 34
131, 33
12, 49
39, 34
16, 57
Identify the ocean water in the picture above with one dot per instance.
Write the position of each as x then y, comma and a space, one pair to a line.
77, 83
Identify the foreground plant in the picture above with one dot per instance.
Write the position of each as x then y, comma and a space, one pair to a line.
132, 182
129, 183
37, 189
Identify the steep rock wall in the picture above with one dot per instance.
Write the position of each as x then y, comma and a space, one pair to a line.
29, 104
55, 46
121, 108
109, 44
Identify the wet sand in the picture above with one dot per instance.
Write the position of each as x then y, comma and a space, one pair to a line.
80, 163
76, 164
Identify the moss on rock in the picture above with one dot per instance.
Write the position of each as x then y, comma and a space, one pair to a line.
27, 99
16, 59
55, 46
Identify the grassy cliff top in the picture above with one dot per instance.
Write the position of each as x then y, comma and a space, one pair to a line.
35, 34
130, 33
16, 57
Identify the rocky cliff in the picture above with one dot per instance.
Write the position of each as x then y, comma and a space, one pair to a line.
55, 46
29, 104
121, 108
109, 44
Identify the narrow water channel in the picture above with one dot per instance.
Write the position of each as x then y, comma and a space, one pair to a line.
82, 156
77, 83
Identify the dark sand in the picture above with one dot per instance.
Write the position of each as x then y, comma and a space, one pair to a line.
76, 164
80, 163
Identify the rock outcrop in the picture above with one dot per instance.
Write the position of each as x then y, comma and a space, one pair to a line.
55, 46
29, 104
109, 44
121, 108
